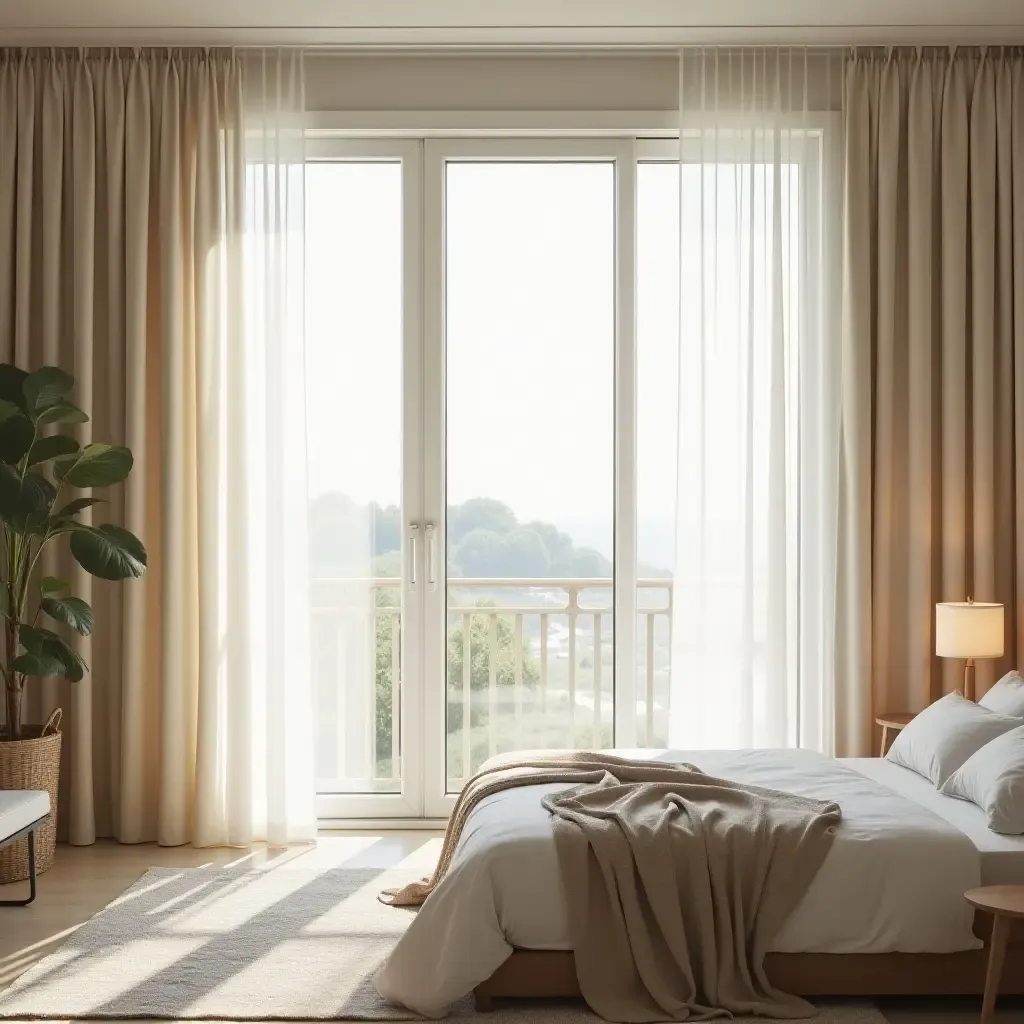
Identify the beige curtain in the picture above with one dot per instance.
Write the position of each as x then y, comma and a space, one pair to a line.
121, 177
932, 476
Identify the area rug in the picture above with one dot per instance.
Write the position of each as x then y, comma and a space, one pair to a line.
278, 944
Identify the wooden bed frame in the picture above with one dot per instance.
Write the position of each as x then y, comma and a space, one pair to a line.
552, 974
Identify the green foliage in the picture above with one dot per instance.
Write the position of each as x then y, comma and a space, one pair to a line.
35, 468
479, 655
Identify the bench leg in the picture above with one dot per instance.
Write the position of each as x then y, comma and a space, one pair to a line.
31, 875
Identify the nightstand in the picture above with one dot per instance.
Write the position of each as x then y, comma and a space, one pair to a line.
1004, 903
892, 723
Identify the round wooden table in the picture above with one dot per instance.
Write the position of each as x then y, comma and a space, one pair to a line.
1004, 903
892, 722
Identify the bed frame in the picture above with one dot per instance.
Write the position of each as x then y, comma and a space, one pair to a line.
552, 974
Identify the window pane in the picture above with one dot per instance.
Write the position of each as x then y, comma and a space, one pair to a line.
530, 260
354, 419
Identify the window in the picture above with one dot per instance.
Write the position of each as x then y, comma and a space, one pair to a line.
494, 419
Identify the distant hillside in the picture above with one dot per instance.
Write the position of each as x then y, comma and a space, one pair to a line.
484, 539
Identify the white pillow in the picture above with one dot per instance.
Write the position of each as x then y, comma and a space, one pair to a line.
945, 735
1007, 696
993, 778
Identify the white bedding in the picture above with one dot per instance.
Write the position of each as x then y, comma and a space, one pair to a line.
893, 881
1002, 857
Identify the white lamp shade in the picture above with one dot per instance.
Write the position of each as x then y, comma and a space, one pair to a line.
968, 629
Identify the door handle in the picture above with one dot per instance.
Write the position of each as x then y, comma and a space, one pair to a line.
414, 555
431, 557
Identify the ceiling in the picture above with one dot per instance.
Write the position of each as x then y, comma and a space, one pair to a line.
509, 24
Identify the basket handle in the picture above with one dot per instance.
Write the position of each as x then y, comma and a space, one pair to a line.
52, 722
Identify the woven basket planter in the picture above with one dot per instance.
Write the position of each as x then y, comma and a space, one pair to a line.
32, 762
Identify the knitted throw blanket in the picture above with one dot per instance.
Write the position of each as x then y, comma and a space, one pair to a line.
507, 771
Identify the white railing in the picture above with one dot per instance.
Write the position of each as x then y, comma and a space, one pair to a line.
561, 636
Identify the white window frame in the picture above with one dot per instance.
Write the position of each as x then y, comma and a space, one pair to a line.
424, 801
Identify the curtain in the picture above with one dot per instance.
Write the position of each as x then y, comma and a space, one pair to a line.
933, 350
123, 260
758, 397
276, 567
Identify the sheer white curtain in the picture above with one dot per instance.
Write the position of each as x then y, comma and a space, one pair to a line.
758, 409
264, 758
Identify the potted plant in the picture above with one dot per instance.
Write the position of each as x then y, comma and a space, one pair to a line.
40, 469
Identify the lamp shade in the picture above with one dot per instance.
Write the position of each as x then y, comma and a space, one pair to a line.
968, 629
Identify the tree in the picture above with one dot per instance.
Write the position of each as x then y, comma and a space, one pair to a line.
479, 514
481, 552
480, 674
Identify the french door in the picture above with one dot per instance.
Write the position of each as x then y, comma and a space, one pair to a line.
470, 393
493, 410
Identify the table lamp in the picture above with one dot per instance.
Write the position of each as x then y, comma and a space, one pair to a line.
968, 629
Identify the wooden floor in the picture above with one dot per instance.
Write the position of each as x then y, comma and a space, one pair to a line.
85, 879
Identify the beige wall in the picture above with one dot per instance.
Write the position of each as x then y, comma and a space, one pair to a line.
583, 82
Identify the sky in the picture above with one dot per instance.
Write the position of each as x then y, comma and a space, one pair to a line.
530, 309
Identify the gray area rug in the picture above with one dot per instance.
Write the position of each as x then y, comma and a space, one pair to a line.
277, 944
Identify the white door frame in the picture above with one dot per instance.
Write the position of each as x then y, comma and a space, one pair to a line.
408, 803
437, 152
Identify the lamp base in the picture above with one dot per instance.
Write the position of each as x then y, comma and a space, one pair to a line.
969, 679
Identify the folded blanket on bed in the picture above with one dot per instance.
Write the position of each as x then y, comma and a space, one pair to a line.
532, 768
675, 881
676, 888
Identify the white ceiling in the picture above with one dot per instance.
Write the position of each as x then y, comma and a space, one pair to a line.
510, 23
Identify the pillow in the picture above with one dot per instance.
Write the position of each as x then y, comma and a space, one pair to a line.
945, 734
993, 778
1007, 696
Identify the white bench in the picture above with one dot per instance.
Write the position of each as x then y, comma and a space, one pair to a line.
21, 813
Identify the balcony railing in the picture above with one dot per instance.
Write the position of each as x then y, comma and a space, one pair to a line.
529, 664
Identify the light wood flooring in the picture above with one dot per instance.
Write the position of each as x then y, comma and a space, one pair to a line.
85, 879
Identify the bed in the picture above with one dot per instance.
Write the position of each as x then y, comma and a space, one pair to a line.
885, 915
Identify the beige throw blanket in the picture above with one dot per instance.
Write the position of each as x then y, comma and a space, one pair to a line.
676, 889
675, 881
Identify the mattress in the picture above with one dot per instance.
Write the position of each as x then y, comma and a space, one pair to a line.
893, 881
1001, 857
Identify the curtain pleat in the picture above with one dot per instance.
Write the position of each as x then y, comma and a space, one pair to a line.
932, 336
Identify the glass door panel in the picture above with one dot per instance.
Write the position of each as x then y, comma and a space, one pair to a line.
529, 315
358, 465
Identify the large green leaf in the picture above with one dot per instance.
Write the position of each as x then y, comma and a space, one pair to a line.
53, 585
30, 511
96, 465
39, 665
37, 493
108, 551
8, 409
12, 383
62, 412
45, 386
72, 611
44, 643
10, 493
72, 508
24, 501
46, 448
16, 436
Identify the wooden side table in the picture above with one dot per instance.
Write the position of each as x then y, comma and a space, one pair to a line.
1004, 903
892, 723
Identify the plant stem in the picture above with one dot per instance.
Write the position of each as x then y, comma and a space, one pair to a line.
14, 686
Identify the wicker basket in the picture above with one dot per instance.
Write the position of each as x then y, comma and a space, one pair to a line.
31, 763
